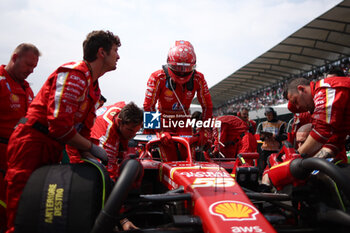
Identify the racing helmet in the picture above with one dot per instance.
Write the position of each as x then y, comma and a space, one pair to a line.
181, 61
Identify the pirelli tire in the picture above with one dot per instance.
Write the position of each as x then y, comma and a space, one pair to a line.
63, 198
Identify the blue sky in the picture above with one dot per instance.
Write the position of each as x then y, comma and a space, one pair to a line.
226, 34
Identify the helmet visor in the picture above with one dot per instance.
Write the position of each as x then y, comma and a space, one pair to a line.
180, 77
181, 67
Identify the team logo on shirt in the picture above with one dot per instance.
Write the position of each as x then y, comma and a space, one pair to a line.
151, 120
14, 98
177, 107
83, 106
189, 94
168, 93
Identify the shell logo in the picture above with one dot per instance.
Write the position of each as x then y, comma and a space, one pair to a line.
14, 98
83, 106
168, 93
233, 210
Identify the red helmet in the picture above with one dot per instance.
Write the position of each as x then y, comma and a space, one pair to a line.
181, 61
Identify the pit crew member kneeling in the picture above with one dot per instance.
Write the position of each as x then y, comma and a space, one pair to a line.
114, 126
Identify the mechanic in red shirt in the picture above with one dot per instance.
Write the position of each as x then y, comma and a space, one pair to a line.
62, 113
114, 126
328, 101
233, 137
244, 115
15, 97
175, 85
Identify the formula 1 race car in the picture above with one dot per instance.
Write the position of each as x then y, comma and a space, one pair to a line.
195, 196
194, 193
312, 194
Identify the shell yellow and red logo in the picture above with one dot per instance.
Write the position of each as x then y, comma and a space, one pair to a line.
83, 106
14, 98
233, 210
168, 93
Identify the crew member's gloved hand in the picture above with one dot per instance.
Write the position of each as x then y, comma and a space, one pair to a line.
99, 153
165, 138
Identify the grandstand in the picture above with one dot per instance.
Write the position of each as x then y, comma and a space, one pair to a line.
309, 52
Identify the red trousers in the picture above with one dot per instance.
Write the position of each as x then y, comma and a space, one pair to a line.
3, 149
28, 149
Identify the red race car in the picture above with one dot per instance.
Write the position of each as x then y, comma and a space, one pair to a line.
193, 193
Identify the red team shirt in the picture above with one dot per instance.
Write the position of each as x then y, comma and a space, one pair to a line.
105, 134
14, 101
235, 136
65, 105
331, 116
